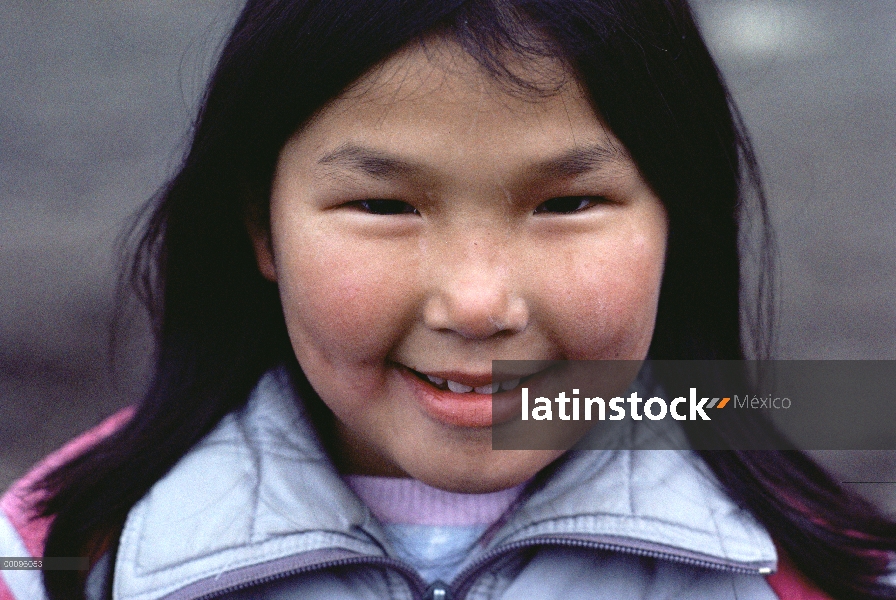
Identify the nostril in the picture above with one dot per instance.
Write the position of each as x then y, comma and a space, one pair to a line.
475, 329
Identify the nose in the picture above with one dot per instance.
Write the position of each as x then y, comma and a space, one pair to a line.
472, 293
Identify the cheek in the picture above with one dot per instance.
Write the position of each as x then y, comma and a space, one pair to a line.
345, 305
610, 290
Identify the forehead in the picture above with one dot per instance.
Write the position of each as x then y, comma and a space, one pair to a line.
435, 99
429, 65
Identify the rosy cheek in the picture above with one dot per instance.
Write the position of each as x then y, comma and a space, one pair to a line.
343, 306
610, 309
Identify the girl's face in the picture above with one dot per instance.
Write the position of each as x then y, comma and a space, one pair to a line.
429, 221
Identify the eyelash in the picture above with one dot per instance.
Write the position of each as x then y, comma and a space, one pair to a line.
567, 205
563, 205
387, 207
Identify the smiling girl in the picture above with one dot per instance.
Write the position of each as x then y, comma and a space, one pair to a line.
380, 199
427, 222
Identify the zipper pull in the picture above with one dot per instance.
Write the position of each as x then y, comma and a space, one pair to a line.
437, 591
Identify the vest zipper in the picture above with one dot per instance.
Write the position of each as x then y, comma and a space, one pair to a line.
465, 579
437, 591
418, 586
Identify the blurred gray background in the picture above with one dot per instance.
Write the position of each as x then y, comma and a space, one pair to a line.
96, 100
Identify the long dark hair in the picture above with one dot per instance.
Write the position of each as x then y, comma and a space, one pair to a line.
219, 324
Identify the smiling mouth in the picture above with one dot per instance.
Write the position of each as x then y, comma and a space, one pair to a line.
460, 388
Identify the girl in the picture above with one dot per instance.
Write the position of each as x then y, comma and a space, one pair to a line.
380, 199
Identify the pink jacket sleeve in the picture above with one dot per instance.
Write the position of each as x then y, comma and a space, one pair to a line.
790, 584
17, 504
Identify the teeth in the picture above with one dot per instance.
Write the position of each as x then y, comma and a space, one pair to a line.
509, 385
459, 388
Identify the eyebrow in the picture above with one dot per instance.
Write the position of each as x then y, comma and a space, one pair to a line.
375, 163
382, 165
582, 160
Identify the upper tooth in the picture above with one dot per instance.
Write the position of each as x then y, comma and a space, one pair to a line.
509, 385
459, 387
487, 389
435, 380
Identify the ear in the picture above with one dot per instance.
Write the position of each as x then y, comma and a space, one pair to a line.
260, 234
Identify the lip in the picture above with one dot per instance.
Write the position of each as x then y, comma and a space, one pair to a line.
469, 409
475, 380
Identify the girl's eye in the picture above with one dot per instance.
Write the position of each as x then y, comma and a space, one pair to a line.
387, 207
567, 204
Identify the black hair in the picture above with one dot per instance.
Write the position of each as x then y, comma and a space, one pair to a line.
219, 324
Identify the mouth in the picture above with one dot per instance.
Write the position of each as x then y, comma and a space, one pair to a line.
465, 400
459, 387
